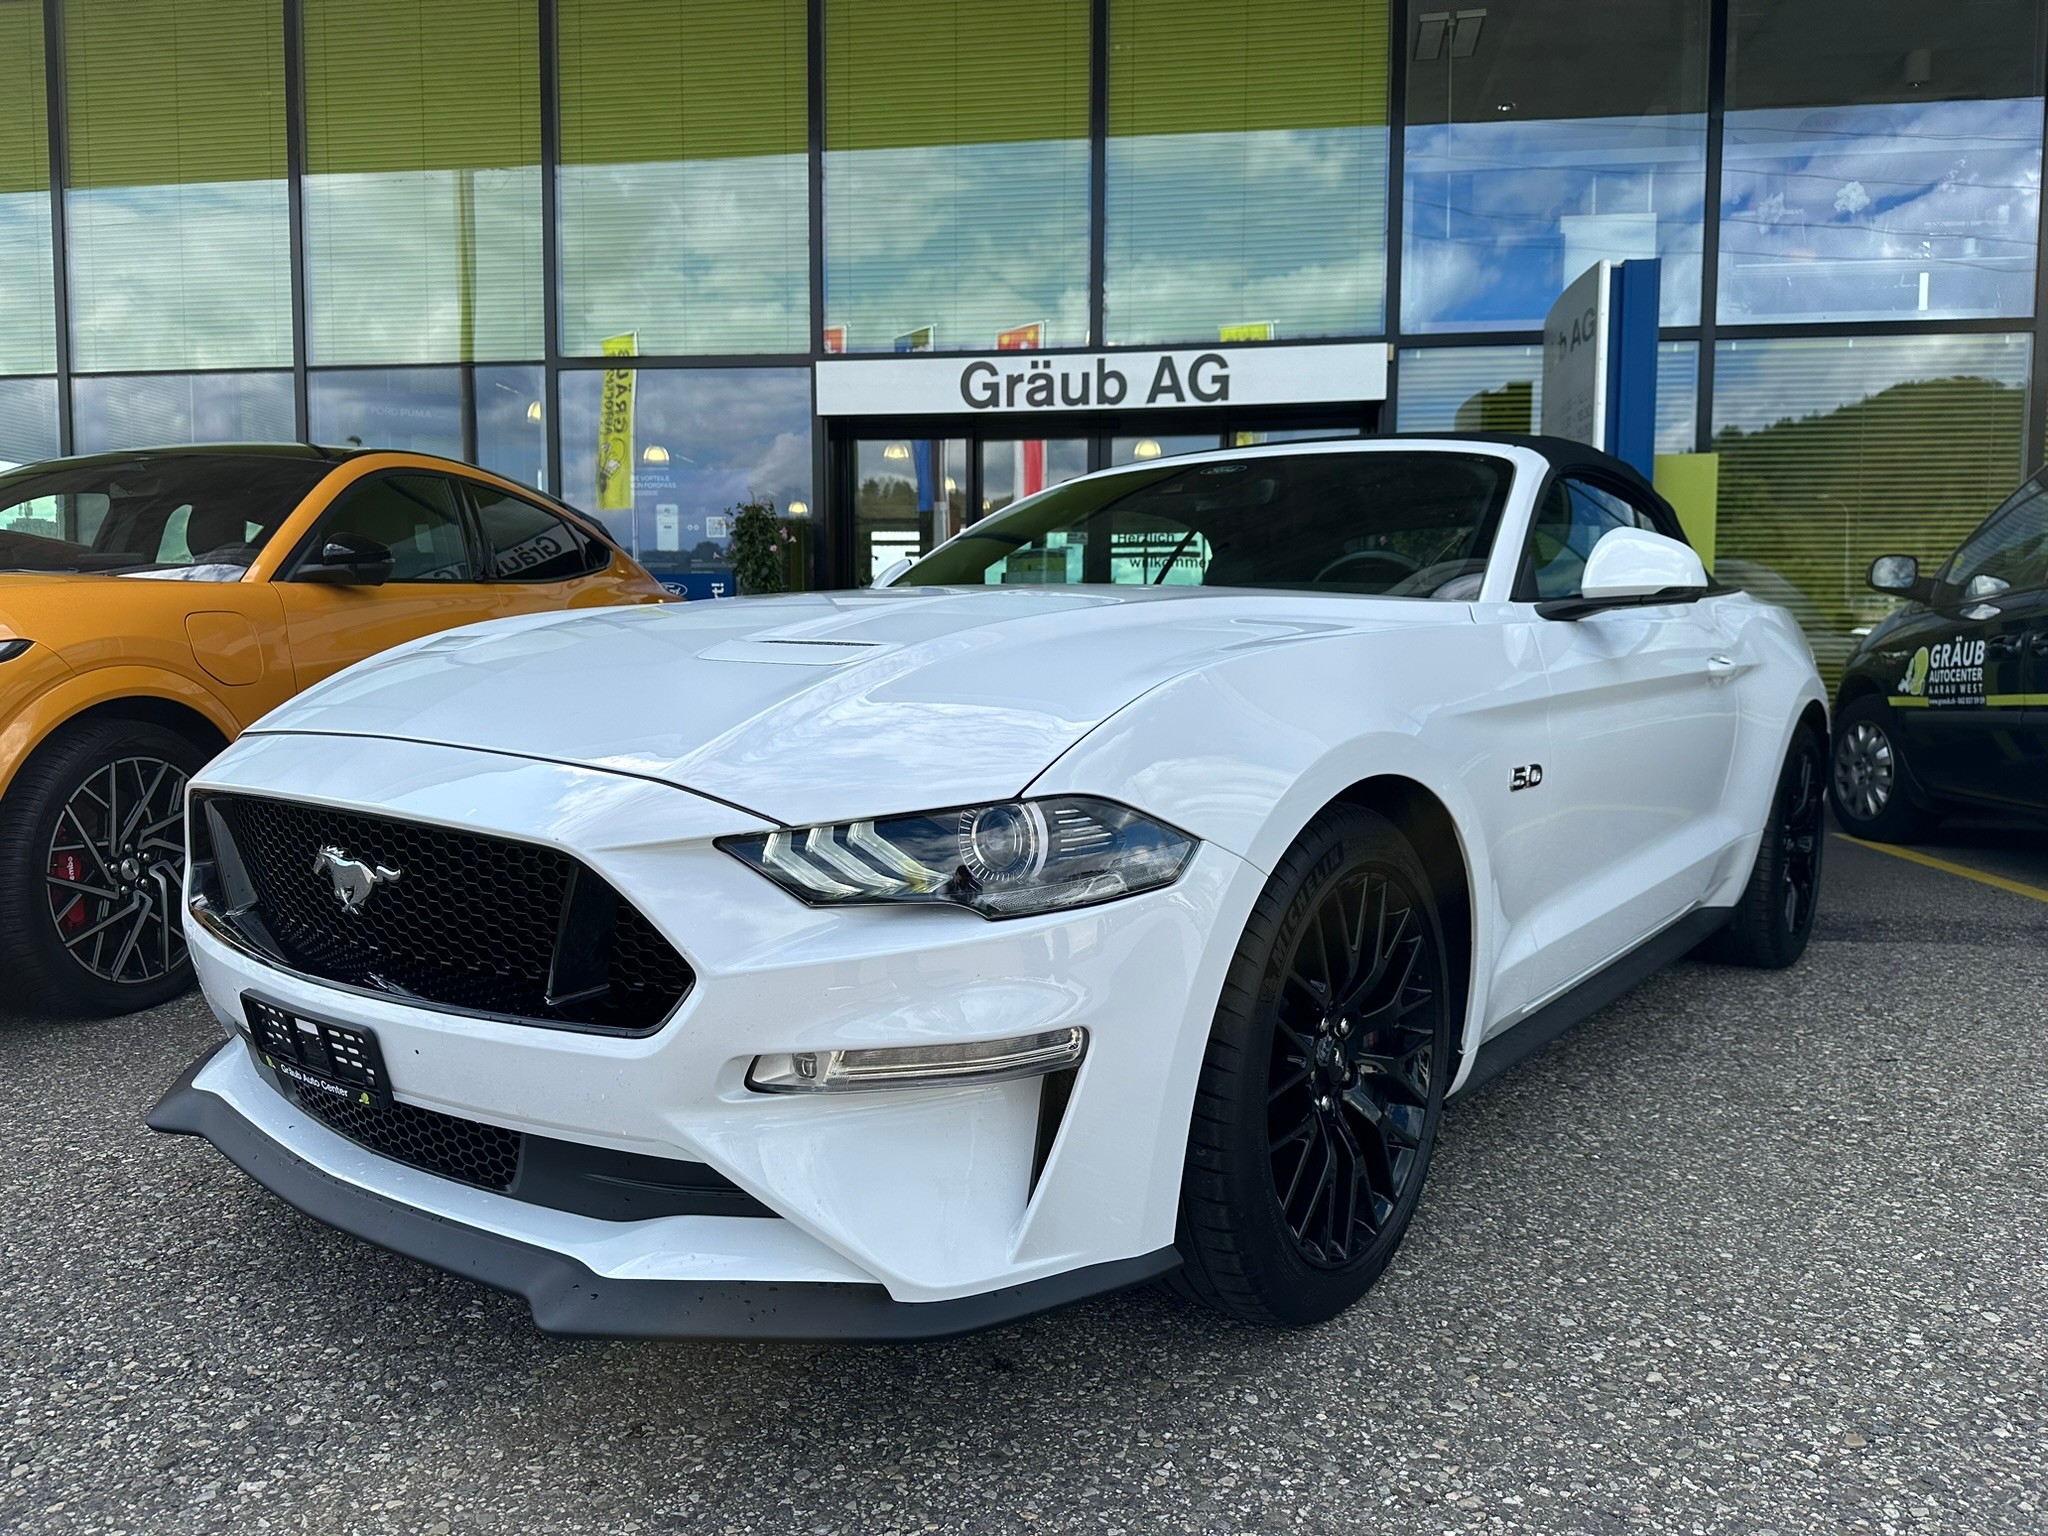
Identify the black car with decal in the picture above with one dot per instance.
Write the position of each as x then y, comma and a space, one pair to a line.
1944, 706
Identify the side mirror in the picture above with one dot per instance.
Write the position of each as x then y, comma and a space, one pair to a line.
1633, 562
347, 560
1633, 568
1899, 576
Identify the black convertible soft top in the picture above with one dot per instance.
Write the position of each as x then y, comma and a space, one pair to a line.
1564, 455
1567, 457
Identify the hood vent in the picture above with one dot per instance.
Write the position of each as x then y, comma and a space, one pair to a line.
794, 653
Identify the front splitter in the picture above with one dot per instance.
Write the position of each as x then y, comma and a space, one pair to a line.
568, 1297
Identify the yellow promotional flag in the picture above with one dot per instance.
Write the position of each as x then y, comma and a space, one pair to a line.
615, 429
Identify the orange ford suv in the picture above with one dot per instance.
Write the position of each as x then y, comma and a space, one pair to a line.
154, 603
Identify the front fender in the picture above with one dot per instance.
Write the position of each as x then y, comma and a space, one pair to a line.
53, 693
1232, 755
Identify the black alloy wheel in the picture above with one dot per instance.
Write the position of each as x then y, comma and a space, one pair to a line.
92, 869
1771, 923
1348, 1091
1323, 1082
1802, 823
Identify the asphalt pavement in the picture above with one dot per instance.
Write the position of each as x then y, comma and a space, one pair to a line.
1746, 1252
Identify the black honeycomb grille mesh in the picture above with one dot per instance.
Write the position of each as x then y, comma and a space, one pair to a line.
471, 921
484, 1155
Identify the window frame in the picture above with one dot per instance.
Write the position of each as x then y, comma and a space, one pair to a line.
288, 569
469, 486
1652, 506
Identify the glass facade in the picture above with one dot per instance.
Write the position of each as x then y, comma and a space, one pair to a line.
683, 180
28, 324
1881, 162
1524, 166
176, 218
493, 415
1833, 451
422, 187
1245, 170
1500, 389
463, 227
28, 420
703, 441
951, 225
151, 409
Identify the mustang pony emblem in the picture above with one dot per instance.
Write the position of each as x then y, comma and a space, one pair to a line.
354, 881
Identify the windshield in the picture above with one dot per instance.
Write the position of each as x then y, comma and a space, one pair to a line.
193, 517
2008, 551
1385, 522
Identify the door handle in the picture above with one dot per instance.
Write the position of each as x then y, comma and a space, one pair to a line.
1722, 666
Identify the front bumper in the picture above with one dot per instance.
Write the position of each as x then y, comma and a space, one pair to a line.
945, 1201
568, 1297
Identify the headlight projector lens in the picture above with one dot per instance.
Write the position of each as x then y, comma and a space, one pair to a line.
1002, 844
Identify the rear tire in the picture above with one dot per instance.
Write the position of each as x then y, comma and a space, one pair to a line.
92, 867
1869, 782
1324, 1080
1773, 921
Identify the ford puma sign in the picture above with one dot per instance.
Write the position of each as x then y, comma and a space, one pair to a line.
1032, 383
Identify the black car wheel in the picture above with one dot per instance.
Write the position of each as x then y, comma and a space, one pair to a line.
1773, 921
1323, 1082
92, 866
1872, 789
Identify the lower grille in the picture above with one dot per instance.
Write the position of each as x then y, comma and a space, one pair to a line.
465, 1150
565, 1175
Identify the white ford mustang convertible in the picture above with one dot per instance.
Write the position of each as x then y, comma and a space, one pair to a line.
1116, 894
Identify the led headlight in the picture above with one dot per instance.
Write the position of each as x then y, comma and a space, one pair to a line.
1007, 860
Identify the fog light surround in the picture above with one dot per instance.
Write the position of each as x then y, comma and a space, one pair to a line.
917, 1066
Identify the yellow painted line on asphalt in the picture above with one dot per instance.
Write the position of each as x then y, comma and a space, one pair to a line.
1914, 856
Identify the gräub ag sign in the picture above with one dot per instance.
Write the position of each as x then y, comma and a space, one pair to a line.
1025, 383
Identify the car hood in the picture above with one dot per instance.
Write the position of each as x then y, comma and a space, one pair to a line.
94, 612
821, 707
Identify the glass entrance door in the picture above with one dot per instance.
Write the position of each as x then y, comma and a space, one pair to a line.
912, 493
909, 494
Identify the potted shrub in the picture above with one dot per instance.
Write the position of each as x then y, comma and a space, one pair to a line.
760, 548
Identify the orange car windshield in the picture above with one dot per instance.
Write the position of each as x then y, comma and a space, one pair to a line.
178, 516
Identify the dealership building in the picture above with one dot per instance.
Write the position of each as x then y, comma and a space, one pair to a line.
662, 256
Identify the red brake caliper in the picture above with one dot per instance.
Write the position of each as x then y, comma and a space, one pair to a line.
68, 866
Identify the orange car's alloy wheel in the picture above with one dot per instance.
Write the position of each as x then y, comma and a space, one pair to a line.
116, 869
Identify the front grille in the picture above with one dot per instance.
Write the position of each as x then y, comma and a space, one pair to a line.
469, 921
467, 1150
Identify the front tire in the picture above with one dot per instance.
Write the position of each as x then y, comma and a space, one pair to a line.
1870, 785
1324, 1080
92, 866
1773, 921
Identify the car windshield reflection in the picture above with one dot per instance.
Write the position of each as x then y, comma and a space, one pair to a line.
1391, 524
